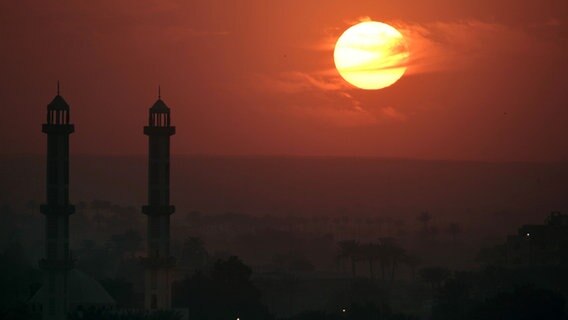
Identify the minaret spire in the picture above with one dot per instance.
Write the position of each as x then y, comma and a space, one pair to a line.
57, 87
159, 92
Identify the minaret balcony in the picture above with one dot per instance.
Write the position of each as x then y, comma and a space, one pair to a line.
159, 131
58, 128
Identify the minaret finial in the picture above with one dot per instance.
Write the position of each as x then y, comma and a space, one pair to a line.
57, 87
159, 92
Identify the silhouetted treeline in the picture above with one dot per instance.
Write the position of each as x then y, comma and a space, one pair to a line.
19, 280
462, 297
223, 292
356, 311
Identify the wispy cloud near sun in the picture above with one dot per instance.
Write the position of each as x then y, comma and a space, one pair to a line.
437, 47
453, 46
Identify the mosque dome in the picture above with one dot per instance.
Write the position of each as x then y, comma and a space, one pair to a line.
83, 291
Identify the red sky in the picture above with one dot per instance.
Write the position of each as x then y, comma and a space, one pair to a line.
486, 80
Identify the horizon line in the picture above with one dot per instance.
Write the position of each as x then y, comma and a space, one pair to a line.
299, 156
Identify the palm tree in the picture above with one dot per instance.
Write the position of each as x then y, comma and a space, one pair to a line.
412, 262
194, 254
350, 249
392, 255
434, 275
396, 255
371, 252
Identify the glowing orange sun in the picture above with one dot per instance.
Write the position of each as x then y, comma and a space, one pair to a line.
371, 55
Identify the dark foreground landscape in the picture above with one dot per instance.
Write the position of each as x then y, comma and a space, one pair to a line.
308, 238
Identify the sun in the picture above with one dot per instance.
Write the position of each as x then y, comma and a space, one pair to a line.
371, 55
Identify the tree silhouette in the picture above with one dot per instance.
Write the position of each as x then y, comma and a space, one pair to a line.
106, 314
435, 276
524, 303
226, 292
17, 278
351, 250
424, 217
412, 262
127, 242
371, 252
494, 255
453, 300
394, 255
193, 254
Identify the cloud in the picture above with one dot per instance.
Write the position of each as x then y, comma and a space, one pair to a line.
297, 81
323, 97
392, 113
453, 46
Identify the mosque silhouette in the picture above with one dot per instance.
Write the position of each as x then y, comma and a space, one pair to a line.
65, 288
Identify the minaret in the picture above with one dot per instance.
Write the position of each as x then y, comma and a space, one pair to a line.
57, 210
158, 262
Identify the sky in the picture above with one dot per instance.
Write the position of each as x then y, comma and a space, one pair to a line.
485, 79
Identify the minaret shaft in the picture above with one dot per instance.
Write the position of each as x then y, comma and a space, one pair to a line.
159, 195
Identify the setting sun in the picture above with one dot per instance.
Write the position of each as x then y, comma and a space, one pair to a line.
371, 55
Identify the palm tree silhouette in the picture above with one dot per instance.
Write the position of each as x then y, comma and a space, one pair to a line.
412, 262
391, 255
371, 252
350, 249
434, 275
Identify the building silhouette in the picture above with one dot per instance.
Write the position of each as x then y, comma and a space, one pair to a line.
57, 261
158, 262
83, 292
534, 245
540, 244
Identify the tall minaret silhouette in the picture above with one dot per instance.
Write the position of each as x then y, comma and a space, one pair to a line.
158, 262
57, 210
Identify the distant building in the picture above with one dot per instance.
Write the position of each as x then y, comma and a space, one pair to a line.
533, 245
545, 244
